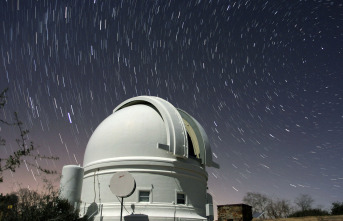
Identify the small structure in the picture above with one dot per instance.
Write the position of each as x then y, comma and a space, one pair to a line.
234, 212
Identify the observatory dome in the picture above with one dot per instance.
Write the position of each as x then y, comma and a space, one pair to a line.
164, 149
147, 126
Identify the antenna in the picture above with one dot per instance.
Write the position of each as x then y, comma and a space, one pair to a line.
122, 185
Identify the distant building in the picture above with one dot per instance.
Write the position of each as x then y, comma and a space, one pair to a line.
164, 148
234, 212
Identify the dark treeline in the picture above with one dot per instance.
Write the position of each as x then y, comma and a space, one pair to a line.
267, 207
30, 205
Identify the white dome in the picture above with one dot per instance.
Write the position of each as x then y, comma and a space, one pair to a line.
147, 127
133, 131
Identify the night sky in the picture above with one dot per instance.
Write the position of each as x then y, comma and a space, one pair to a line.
264, 78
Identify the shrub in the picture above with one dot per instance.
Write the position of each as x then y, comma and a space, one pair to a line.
309, 212
337, 208
33, 206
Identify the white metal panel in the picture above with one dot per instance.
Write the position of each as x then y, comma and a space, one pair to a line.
176, 131
71, 184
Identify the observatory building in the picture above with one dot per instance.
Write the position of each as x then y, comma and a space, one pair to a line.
164, 149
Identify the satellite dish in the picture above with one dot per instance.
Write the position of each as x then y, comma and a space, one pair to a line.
122, 184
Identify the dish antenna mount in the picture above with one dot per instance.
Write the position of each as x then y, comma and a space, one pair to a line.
122, 185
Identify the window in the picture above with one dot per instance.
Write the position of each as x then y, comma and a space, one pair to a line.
181, 198
144, 196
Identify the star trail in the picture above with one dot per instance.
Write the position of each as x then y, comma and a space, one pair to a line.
264, 78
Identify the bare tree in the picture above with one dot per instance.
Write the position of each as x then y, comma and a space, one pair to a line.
278, 208
304, 202
25, 151
258, 201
